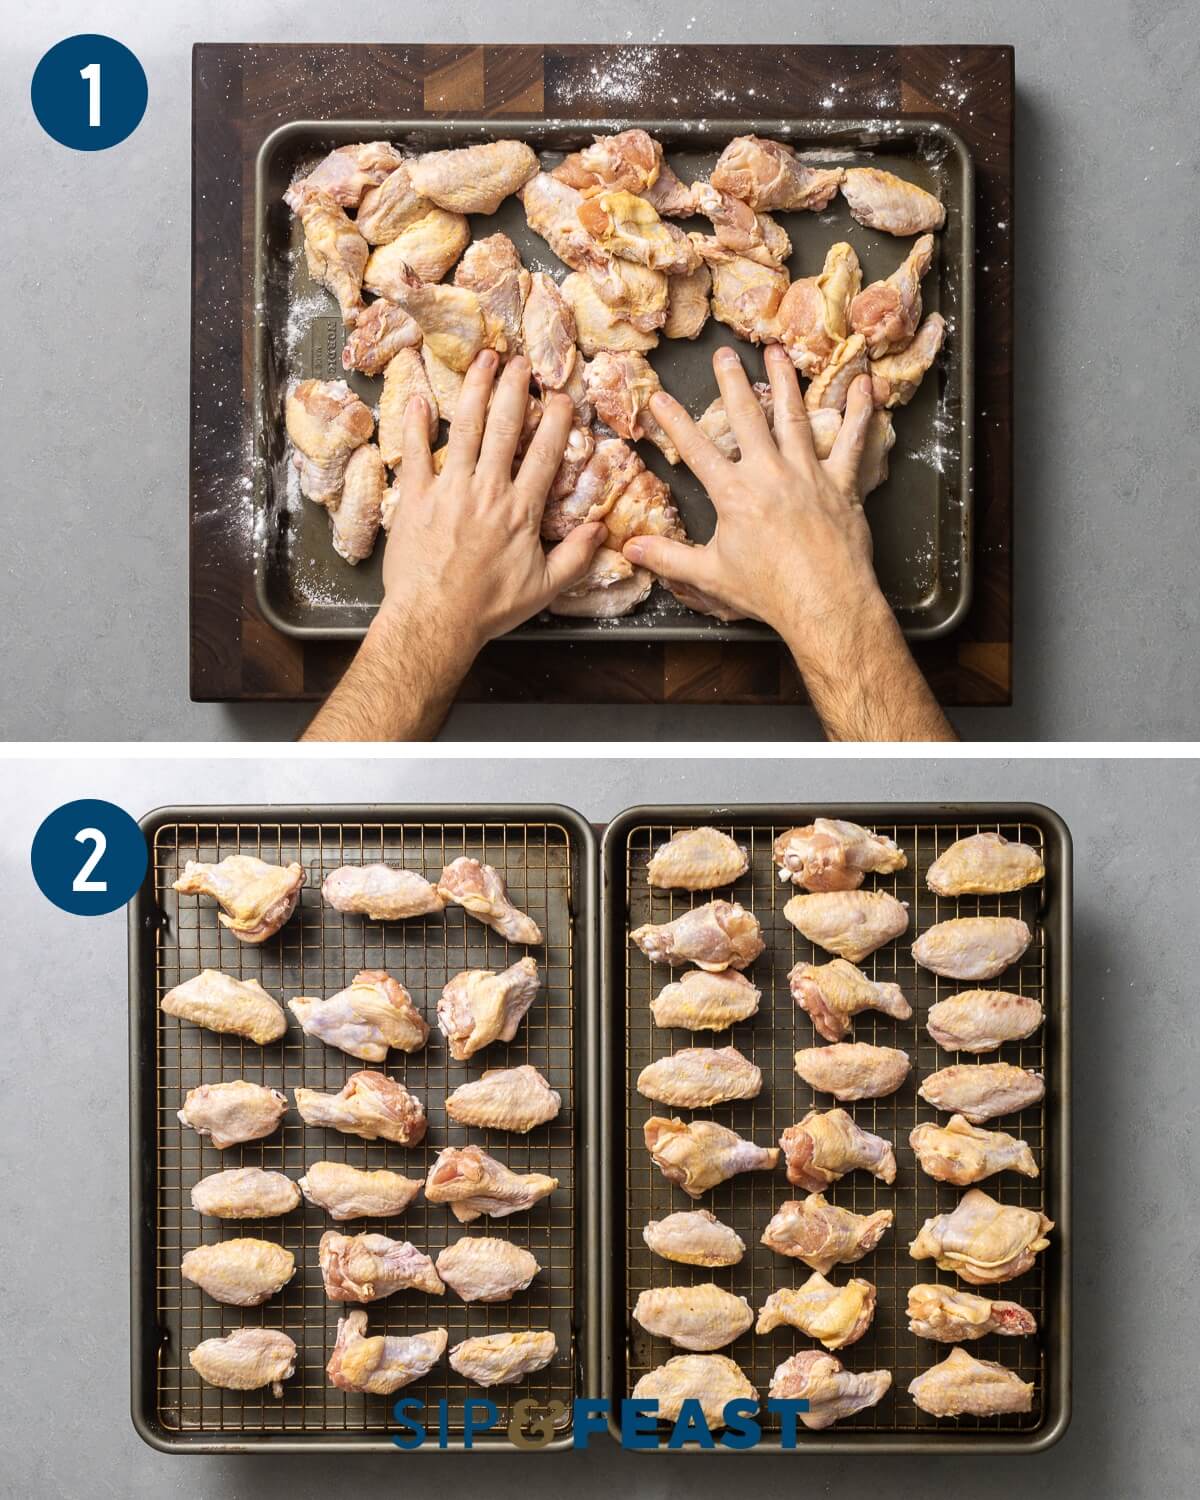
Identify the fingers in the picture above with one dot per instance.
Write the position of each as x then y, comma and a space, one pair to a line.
416, 462
792, 431
678, 563
568, 562
694, 448
746, 418
846, 455
470, 414
505, 419
545, 452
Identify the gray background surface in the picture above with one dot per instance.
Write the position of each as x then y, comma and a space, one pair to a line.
95, 410
64, 1424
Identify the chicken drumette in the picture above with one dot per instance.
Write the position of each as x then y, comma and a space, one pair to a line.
835, 1315
835, 992
701, 1155
370, 1105
473, 1183
825, 1145
716, 936
823, 1235
382, 1364
481, 890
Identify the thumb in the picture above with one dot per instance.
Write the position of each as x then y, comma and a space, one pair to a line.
568, 562
674, 562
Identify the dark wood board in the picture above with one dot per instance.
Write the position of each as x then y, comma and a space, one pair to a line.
241, 92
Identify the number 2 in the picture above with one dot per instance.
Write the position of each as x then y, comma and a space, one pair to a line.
92, 74
93, 836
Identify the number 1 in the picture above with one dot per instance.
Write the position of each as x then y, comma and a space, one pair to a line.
92, 74
83, 881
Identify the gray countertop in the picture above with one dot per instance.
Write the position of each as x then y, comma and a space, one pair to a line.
96, 405
64, 1299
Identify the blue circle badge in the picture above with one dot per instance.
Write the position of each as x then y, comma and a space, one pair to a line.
89, 92
89, 857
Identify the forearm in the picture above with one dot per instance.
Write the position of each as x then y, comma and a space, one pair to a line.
861, 676
400, 684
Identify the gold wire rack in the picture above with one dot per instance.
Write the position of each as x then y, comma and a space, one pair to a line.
770, 1039
317, 953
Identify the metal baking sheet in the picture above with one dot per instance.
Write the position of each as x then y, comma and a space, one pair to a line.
920, 520
635, 1190
547, 856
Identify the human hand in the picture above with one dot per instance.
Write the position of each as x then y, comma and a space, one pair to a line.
464, 552
792, 545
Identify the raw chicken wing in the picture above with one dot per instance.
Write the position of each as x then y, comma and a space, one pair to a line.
246, 1360
630, 160
370, 1015
326, 422
355, 519
714, 421
256, 898
949, 1316
853, 1070
710, 1379
486, 1270
704, 1001
699, 1077
503, 1358
629, 228
887, 312
983, 1240
515, 1099
474, 1183
700, 1318
895, 377
481, 890
492, 269
346, 1192
831, 386
703, 1154
687, 303
421, 254
347, 173
218, 1002
985, 864
643, 508
961, 1153
389, 208
380, 331
881, 200
832, 1392
597, 325
240, 1273
404, 378
746, 296
980, 1020
697, 1238
739, 229
697, 859
552, 210
835, 992
611, 587
365, 1267
382, 1364
450, 317
592, 493
835, 1315
670, 196
548, 333
824, 426
335, 252
981, 1091
370, 1105
813, 317
963, 1385
621, 385
825, 1145
479, 1007
852, 924
767, 175
831, 855
636, 294
231, 1113
972, 947
245, 1193
475, 179
823, 1235
716, 936
381, 892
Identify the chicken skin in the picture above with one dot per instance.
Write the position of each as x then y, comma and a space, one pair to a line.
326, 422
548, 333
369, 1105
835, 992
963, 1385
961, 1153
348, 173
687, 303
346, 1192
670, 196
592, 492
703, 1154
492, 269
981, 1020
486, 1270
887, 312
972, 947
552, 210
231, 1113
638, 295
389, 207
474, 1183
335, 252
985, 864
699, 1077
830, 389
834, 1315
355, 519
814, 315
697, 1238
382, 1364
767, 175
474, 179
503, 1358
982, 1240
481, 891
621, 385
852, 924
366, 1267
421, 253
832, 1392
881, 200
895, 377
404, 378
628, 227
235, 1007
611, 587
630, 160
256, 898
246, 1360
853, 1070
824, 426
445, 383
381, 892
245, 1193
825, 1145
719, 935
370, 1015
380, 331
832, 855
950, 1316
823, 1235
697, 859
738, 228
704, 1001
712, 1380
450, 317
597, 325
516, 1099
700, 1318
479, 1007
643, 508
240, 1273
981, 1091
746, 296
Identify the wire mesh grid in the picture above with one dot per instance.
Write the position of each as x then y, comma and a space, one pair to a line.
769, 1039
317, 953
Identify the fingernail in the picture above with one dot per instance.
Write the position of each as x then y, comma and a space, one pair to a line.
727, 356
485, 359
633, 551
777, 352
661, 400
416, 404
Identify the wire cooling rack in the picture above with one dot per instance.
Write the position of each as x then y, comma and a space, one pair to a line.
317, 953
770, 1039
